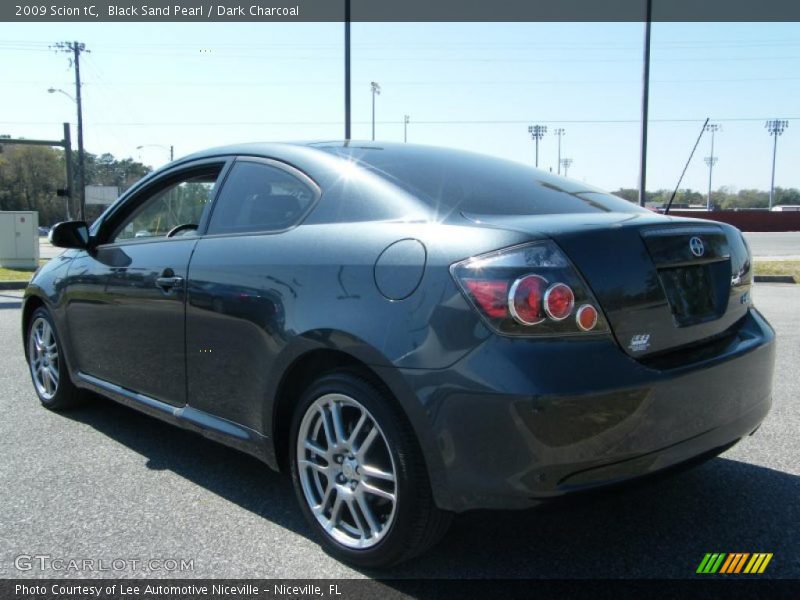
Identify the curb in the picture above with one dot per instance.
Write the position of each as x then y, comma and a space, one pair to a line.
13, 285
773, 279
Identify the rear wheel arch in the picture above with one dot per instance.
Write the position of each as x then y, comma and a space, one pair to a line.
302, 372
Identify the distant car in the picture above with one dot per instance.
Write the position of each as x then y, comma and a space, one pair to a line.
409, 331
43, 231
142, 233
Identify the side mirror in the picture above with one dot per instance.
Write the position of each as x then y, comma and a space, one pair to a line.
70, 234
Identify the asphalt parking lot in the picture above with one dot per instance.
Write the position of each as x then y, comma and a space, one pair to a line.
104, 482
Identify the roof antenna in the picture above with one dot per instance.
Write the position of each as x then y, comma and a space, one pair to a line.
666, 210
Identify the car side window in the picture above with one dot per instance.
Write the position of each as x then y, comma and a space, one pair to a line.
180, 203
259, 197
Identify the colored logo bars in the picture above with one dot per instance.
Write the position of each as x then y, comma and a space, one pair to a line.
736, 562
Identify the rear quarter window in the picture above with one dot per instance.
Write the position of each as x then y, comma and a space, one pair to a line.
451, 181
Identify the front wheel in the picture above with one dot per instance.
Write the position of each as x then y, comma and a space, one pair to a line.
359, 474
46, 363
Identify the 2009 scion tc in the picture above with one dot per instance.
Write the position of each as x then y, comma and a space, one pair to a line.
410, 332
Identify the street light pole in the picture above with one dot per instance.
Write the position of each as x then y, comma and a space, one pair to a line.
559, 132
537, 132
711, 160
775, 128
406, 119
376, 90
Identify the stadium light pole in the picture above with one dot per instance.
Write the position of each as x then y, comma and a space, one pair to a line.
376, 91
566, 163
775, 127
711, 160
537, 132
559, 132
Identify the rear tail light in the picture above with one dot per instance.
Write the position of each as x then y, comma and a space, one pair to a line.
491, 296
526, 299
559, 301
586, 317
530, 290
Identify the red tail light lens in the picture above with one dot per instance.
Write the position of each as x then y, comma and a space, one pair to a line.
558, 301
530, 290
491, 296
526, 299
586, 317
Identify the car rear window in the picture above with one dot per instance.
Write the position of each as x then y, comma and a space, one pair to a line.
452, 181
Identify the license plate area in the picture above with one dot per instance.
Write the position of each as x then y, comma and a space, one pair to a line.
690, 293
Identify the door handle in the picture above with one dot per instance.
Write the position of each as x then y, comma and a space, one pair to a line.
167, 283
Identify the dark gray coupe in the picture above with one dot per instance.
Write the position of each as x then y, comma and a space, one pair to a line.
411, 332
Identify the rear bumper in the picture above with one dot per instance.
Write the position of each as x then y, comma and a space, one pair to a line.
521, 421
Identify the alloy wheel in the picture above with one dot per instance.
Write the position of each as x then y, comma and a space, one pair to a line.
347, 472
44, 358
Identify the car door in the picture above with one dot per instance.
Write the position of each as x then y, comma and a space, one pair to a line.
125, 299
240, 286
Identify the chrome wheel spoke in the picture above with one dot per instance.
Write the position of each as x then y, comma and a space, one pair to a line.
363, 505
354, 502
316, 449
376, 491
326, 426
365, 445
377, 473
317, 467
357, 428
363, 528
338, 425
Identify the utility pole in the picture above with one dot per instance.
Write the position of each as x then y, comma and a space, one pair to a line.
711, 160
645, 104
406, 119
376, 90
559, 132
75, 48
775, 128
171, 153
566, 162
347, 70
537, 132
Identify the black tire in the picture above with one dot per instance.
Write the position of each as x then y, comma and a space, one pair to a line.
415, 523
61, 394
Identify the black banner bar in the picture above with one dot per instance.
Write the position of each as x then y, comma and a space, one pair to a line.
707, 587
395, 10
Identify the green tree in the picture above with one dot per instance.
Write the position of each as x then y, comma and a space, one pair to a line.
30, 176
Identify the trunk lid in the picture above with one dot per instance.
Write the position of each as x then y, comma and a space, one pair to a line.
662, 282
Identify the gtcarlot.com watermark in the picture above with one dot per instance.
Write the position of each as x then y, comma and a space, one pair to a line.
60, 564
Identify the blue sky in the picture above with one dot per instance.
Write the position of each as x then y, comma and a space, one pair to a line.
468, 85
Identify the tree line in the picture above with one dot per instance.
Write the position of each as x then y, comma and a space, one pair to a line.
725, 198
31, 175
